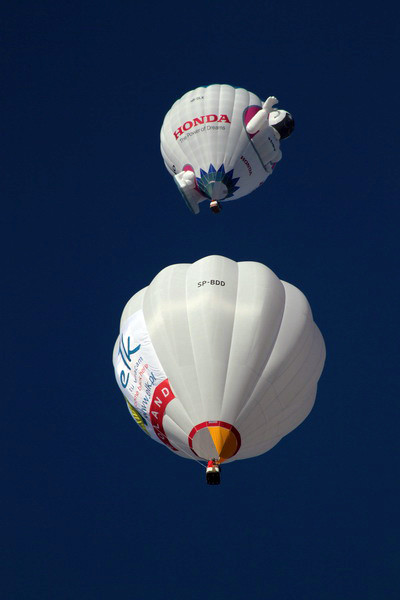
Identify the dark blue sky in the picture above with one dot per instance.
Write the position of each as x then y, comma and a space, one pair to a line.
92, 508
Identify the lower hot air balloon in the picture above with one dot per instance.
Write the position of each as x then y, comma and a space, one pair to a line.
218, 360
221, 143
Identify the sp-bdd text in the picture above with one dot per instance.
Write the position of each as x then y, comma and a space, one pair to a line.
211, 282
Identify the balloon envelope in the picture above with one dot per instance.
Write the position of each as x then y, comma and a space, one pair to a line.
205, 132
218, 359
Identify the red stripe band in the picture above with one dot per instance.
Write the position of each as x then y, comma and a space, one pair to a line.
161, 398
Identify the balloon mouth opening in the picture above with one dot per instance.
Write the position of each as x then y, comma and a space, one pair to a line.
214, 440
216, 190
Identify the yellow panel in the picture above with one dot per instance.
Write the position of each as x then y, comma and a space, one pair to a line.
136, 415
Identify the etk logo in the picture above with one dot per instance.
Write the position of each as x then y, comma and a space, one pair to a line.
125, 354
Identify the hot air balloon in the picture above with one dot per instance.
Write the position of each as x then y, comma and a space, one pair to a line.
218, 360
221, 143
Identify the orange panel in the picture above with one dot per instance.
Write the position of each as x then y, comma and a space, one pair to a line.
224, 440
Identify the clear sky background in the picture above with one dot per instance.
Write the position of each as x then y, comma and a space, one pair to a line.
92, 508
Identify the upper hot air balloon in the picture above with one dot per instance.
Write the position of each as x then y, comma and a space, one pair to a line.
221, 143
218, 360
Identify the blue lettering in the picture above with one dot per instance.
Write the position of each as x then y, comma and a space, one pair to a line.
124, 380
123, 358
130, 350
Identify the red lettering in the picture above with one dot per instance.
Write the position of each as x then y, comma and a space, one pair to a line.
200, 121
178, 132
156, 417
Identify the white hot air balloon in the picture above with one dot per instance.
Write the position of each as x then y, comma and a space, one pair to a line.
218, 143
218, 360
